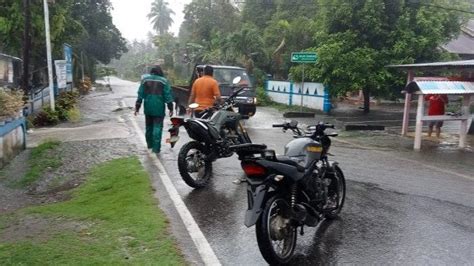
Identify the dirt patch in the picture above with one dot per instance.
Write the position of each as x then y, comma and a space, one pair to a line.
39, 229
77, 159
54, 185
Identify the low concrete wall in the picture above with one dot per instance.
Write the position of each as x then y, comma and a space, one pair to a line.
12, 140
315, 95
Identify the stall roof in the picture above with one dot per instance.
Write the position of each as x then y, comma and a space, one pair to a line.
440, 87
464, 64
9, 56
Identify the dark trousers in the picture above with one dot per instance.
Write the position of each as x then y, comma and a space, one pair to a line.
154, 129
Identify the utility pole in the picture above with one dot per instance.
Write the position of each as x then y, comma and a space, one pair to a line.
48, 53
82, 65
26, 46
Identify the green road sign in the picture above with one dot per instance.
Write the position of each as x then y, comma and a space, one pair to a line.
304, 57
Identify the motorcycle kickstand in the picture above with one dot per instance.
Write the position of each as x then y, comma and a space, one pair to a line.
302, 230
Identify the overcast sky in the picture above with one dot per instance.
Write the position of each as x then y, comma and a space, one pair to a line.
130, 17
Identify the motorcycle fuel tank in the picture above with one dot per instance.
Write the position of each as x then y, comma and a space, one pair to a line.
304, 149
227, 118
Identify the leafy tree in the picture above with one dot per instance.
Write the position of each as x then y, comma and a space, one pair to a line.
246, 45
359, 38
160, 16
102, 41
206, 19
258, 12
85, 24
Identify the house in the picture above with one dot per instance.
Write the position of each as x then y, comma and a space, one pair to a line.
10, 68
463, 45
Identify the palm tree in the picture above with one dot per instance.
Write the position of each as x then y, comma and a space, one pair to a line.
160, 16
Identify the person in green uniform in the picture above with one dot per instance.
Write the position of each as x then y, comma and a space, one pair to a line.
154, 92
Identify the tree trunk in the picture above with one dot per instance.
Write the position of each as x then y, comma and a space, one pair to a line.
26, 46
366, 93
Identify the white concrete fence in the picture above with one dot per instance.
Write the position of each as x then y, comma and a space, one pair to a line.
12, 139
315, 95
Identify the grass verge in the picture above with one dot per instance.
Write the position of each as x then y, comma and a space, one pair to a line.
44, 157
111, 220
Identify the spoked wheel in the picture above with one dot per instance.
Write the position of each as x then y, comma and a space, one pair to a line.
193, 166
336, 194
276, 236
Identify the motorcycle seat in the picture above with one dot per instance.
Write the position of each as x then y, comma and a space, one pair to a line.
287, 160
249, 147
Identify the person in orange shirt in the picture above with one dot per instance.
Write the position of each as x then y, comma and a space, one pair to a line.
205, 90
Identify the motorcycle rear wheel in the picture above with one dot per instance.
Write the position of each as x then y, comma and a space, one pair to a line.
276, 237
193, 166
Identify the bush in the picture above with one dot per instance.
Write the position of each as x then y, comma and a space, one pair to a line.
262, 98
46, 117
73, 115
67, 100
85, 86
11, 102
66, 109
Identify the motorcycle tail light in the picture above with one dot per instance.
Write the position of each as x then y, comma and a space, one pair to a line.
176, 121
253, 169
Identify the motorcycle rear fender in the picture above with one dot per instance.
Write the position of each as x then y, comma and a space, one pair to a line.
174, 130
176, 123
255, 196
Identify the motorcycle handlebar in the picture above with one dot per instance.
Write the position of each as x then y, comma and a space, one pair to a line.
235, 93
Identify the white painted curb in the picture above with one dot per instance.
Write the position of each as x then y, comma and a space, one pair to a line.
204, 248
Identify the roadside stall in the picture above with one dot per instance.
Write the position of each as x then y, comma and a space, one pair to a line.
462, 85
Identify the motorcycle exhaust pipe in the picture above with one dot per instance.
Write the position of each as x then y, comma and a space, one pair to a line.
299, 213
303, 213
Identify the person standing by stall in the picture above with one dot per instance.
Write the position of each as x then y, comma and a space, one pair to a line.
437, 103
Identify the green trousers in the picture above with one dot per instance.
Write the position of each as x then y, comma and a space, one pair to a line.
154, 129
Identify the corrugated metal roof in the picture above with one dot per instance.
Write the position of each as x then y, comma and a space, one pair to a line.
9, 56
467, 64
463, 44
441, 87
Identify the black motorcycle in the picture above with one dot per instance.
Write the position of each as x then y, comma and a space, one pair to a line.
298, 189
218, 128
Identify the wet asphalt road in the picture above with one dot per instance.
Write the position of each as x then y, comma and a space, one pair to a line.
399, 208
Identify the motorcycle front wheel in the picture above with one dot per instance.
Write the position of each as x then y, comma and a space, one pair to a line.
193, 166
276, 236
336, 192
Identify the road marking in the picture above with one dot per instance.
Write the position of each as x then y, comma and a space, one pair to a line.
204, 248
407, 160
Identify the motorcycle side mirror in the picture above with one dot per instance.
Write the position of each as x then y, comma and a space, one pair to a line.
193, 105
236, 80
